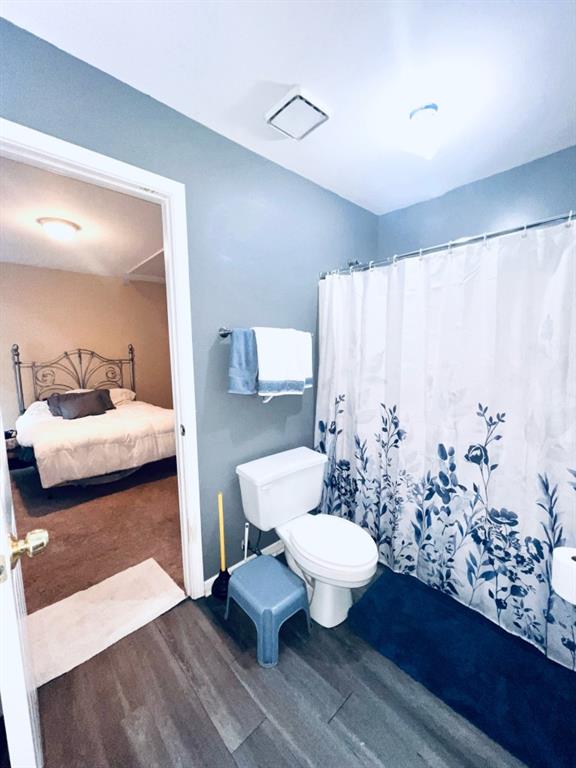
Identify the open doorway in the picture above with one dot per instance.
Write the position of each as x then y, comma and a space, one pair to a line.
91, 436
37, 151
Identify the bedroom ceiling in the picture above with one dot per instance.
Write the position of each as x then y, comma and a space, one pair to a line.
117, 231
502, 73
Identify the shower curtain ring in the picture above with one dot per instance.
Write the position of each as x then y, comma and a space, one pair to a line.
370, 266
485, 241
450, 244
524, 232
569, 222
394, 259
420, 254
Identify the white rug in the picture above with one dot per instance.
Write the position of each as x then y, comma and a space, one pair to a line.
71, 631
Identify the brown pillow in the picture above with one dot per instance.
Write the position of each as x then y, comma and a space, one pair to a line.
77, 405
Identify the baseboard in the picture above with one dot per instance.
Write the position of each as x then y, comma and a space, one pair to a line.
274, 549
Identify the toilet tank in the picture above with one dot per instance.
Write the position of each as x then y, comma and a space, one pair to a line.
282, 486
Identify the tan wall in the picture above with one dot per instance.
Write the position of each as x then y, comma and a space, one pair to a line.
48, 311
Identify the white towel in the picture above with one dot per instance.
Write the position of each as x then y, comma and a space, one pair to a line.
284, 361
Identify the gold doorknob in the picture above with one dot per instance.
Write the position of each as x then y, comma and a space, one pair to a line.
34, 542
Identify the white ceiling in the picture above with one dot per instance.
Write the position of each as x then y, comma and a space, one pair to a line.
117, 231
503, 73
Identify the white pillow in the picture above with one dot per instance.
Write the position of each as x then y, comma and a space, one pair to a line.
119, 396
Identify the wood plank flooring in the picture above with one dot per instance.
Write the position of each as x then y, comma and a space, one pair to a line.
186, 691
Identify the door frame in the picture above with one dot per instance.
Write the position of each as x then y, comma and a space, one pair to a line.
25, 145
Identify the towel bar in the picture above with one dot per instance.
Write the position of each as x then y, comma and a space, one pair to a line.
225, 332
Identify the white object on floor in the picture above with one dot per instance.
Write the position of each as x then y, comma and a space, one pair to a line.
71, 631
284, 361
564, 573
132, 434
332, 555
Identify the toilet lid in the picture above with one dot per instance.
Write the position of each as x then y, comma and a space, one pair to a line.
332, 541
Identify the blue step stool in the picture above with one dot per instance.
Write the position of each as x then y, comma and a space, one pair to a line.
269, 593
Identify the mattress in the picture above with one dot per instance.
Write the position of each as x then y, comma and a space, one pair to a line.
132, 434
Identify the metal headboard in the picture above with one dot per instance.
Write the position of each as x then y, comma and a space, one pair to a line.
76, 369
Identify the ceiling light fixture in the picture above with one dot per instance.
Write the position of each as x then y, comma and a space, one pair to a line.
424, 133
59, 229
295, 115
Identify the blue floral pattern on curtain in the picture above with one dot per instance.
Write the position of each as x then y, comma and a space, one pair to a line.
449, 535
470, 497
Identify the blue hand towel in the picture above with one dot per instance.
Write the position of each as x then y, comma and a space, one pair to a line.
243, 367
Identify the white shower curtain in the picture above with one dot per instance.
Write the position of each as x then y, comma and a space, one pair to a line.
447, 407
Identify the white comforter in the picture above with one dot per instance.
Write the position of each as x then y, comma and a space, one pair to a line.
132, 434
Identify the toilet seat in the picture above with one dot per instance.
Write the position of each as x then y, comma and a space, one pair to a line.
330, 548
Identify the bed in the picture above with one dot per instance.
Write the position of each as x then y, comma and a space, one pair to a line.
92, 448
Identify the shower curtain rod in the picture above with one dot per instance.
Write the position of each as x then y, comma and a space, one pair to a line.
358, 267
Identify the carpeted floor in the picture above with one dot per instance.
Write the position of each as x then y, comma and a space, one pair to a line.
99, 531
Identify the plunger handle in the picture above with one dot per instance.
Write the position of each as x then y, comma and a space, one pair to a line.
221, 524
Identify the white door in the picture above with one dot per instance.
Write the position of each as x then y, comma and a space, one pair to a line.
17, 689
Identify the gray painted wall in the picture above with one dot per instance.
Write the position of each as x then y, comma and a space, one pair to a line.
545, 187
259, 236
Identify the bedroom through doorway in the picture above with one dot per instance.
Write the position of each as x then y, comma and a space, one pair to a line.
87, 403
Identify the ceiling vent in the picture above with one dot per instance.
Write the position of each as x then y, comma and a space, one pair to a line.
296, 116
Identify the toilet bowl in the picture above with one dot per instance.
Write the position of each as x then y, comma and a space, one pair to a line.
332, 555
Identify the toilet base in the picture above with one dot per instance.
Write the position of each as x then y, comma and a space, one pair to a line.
330, 605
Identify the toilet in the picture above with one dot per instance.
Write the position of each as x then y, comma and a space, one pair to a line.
331, 554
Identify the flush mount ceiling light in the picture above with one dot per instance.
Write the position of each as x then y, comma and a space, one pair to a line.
424, 131
296, 116
58, 229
